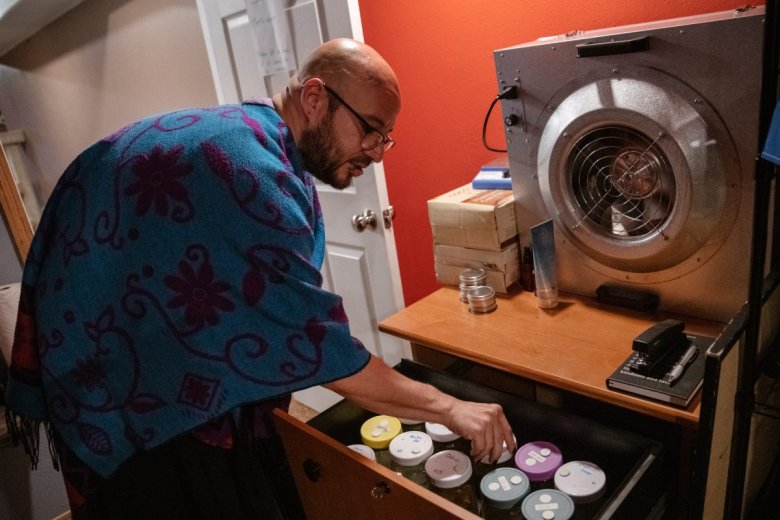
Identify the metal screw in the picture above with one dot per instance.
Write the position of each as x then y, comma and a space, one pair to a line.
697, 101
616, 71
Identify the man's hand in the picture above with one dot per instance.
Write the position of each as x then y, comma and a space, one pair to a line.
381, 389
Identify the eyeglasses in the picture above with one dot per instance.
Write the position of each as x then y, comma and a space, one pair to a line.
373, 137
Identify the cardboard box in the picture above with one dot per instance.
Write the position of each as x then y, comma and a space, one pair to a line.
502, 267
477, 219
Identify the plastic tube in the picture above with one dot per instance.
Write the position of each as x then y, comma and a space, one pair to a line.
543, 240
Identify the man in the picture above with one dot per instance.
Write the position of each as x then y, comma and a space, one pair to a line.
172, 298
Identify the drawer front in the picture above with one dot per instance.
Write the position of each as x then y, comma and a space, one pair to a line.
336, 482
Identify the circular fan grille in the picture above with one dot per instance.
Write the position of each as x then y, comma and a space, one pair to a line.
621, 181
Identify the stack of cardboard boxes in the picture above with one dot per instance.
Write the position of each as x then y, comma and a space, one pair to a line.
475, 228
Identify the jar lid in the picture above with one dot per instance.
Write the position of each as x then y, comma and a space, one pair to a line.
472, 276
378, 431
363, 450
410, 422
411, 448
448, 469
539, 460
583, 481
547, 504
505, 455
440, 433
504, 487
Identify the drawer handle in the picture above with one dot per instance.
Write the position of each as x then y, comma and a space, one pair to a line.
312, 470
380, 490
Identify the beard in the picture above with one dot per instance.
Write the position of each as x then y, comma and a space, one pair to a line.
321, 157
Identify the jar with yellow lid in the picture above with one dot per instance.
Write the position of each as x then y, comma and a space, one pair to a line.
377, 432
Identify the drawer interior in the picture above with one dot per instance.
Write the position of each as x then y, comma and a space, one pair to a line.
635, 479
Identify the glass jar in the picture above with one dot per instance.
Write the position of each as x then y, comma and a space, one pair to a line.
502, 491
377, 432
409, 451
412, 425
547, 504
483, 466
446, 439
539, 460
584, 483
363, 450
449, 473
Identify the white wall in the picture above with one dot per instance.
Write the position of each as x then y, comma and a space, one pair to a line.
103, 64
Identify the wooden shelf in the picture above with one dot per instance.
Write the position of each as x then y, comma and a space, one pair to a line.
574, 347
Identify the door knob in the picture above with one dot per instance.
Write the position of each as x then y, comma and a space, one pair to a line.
380, 490
363, 220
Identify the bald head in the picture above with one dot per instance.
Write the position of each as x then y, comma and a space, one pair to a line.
347, 64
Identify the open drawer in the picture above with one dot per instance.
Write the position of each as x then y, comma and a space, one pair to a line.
336, 482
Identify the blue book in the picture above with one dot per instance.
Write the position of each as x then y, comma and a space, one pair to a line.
493, 176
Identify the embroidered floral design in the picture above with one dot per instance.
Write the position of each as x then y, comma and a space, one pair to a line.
198, 391
156, 180
89, 373
199, 293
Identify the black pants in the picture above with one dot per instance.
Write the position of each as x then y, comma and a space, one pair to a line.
187, 479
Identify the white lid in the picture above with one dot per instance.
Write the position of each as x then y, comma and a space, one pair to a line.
440, 433
505, 455
411, 448
363, 450
409, 421
448, 469
582, 481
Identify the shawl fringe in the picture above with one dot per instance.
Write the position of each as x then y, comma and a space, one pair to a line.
26, 431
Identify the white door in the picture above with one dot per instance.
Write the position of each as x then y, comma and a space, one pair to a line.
361, 266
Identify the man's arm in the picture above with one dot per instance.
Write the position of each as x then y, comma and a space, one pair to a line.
381, 389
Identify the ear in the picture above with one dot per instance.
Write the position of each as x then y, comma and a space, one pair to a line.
314, 100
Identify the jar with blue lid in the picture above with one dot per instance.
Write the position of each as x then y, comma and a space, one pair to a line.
502, 491
547, 504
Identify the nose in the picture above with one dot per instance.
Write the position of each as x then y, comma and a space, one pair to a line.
376, 153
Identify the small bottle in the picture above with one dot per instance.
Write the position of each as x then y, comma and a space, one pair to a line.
449, 473
502, 491
547, 504
377, 432
527, 270
409, 451
446, 439
539, 460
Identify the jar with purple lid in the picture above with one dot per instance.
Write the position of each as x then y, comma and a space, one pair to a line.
539, 460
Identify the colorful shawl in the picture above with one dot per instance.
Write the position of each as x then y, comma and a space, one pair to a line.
173, 278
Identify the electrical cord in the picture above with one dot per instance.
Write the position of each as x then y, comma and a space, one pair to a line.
507, 93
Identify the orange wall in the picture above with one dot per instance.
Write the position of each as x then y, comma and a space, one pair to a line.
442, 51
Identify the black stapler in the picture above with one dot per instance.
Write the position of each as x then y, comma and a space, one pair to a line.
652, 346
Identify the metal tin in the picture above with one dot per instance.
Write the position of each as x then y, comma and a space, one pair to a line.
482, 299
473, 277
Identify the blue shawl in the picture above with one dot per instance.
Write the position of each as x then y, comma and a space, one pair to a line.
173, 278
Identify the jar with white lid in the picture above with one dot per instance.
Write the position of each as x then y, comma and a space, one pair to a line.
363, 450
412, 425
409, 451
483, 466
547, 504
377, 432
445, 439
449, 473
502, 493
584, 482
